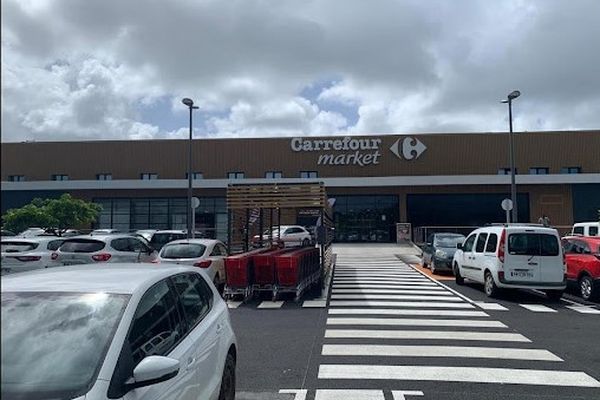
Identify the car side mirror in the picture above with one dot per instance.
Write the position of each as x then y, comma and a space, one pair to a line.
152, 370
428, 244
459, 246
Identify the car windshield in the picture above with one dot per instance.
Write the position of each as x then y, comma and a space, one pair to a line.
183, 250
448, 241
17, 247
160, 239
533, 244
53, 344
81, 246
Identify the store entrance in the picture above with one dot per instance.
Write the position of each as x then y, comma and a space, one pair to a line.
365, 218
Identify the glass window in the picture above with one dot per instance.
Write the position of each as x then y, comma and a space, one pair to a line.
60, 177
16, 178
235, 175
570, 170
156, 326
492, 243
40, 328
195, 175
183, 250
481, 242
81, 246
533, 244
195, 297
273, 175
578, 230
593, 231
539, 171
137, 245
121, 244
447, 241
54, 245
468, 246
309, 174
104, 177
149, 175
13, 246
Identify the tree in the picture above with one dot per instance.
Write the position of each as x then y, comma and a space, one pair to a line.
52, 214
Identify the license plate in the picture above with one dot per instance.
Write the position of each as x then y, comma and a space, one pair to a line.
521, 274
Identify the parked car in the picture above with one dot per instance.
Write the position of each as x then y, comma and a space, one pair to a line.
145, 233
289, 235
26, 254
583, 264
32, 232
586, 229
439, 250
512, 257
208, 254
138, 332
97, 232
6, 232
108, 248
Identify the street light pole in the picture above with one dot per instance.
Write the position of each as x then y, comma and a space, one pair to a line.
513, 185
190, 229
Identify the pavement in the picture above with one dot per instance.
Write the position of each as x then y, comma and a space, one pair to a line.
390, 331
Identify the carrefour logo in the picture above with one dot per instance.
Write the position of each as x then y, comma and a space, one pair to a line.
411, 148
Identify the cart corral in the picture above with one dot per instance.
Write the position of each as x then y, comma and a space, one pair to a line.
273, 268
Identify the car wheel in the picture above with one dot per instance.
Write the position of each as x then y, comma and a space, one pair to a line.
305, 243
457, 277
432, 267
489, 286
227, 391
586, 288
554, 295
423, 263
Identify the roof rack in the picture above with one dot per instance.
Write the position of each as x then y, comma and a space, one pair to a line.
517, 224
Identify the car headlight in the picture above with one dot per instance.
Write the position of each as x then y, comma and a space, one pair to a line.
440, 253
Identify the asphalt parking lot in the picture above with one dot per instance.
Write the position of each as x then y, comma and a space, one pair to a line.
389, 332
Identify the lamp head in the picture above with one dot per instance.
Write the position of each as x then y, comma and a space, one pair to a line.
188, 102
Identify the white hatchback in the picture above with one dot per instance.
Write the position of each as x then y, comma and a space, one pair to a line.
26, 254
512, 257
207, 254
139, 332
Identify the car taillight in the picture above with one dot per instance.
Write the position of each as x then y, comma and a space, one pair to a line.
28, 258
54, 256
501, 246
101, 257
155, 261
500, 276
203, 263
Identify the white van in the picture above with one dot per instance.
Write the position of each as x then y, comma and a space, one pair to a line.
586, 229
512, 257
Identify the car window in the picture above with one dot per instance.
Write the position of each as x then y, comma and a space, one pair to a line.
533, 244
584, 248
156, 326
17, 247
54, 244
183, 250
121, 244
223, 249
481, 242
216, 252
593, 231
578, 230
468, 246
136, 245
491, 243
81, 246
195, 297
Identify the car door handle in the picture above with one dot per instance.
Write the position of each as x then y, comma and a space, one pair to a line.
532, 263
190, 363
219, 328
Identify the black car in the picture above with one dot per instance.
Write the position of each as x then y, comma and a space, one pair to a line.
439, 251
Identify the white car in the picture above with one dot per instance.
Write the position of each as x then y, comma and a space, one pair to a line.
32, 232
107, 248
208, 254
289, 235
586, 229
26, 254
103, 232
140, 332
512, 257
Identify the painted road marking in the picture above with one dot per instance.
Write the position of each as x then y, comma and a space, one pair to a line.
234, 304
400, 394
270, 304
458, 374
490, 306
397, 304
431, 286
538, 308
349, 394
390, 291
438, 351
393, 297
584, 309
314, 304
471, 323
300, 393
392, 311
445, 335
381, 282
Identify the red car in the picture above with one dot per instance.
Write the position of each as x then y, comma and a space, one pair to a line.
582, 254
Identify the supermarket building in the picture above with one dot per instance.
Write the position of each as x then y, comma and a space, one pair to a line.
376, 180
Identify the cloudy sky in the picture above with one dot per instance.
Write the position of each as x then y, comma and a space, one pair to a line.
114, 69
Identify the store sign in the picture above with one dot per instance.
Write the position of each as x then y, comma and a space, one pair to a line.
356, 151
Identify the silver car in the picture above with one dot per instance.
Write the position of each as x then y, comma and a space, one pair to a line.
104, 248
26, 254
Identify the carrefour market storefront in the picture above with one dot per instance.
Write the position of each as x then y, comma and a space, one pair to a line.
376, 181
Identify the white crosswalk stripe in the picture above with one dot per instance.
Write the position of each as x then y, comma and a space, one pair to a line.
383, 315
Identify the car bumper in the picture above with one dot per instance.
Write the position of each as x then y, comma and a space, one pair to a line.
443, 263
503, 283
